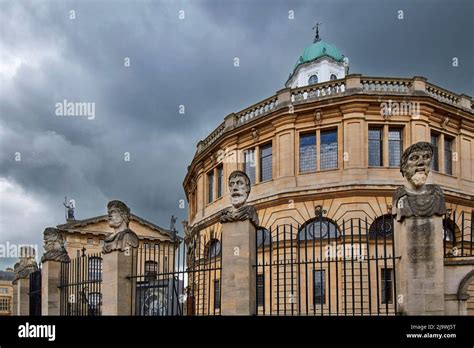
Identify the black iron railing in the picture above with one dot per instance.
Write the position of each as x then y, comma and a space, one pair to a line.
458, 234
321, 268
177, 278
81, 286
35, 293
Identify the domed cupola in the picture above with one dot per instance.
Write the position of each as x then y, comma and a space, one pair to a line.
320, 62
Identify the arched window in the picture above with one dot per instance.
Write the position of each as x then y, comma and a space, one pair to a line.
95, 300
318, 228
381, 226
213, 248
450, 228
95, 268
313, 79
151, 268
333, 77
263, 237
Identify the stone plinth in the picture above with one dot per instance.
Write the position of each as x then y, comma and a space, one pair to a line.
116, 287
238, 273
50, 292
420, 270
21, 297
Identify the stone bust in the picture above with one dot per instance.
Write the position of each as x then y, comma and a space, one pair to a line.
54, 246
27, 263
417, 198
122, 238
239, 187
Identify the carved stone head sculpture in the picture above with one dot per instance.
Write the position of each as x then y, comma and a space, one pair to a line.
119, 218
239, 188
415, 165
417, 198
54, 246
119, 215
27, 263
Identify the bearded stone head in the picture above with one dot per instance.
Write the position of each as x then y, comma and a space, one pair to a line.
53, 239
415, 164
118, 214
239, 187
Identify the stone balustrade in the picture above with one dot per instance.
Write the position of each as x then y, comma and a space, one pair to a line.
441, 94
389, 85
256, 110
352, 84
318, 91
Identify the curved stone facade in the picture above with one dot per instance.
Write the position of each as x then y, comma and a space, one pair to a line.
411, 109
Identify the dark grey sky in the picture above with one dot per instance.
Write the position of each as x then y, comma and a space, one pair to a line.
46, 57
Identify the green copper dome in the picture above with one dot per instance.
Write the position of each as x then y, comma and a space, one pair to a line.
317, 50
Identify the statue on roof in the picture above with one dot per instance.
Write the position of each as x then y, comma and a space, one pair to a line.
70, 206
173, 223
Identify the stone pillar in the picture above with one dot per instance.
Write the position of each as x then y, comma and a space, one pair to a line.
55, 253
353, 83
238, 273
230, 121
116, 286
420, 270
419, 85
284, 96
21, 296
465, 101
50, 292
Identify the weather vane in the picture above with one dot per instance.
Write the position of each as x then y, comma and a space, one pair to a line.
316, 37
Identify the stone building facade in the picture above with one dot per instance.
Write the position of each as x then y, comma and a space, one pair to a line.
336, 144
90, 234
6, 292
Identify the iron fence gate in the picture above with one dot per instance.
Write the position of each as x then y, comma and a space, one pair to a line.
80, 286
322, 268
175, 278
35, 293
458, 234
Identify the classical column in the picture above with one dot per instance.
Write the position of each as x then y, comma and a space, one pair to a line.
55, 254
118, 253
419, 210
21, 281
239, 224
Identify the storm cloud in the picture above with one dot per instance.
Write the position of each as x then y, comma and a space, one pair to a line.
181, 53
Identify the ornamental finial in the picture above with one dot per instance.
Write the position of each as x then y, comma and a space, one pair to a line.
316, 37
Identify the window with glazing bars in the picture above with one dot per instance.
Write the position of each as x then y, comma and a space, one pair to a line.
260, 290
328, 154
386, 288
217, 294
210, 186
395, 146
249, 160
220, 180
375, 147
319, 287
435, 159
307, 153
95, 268
4, 304
448, 155
266, 162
